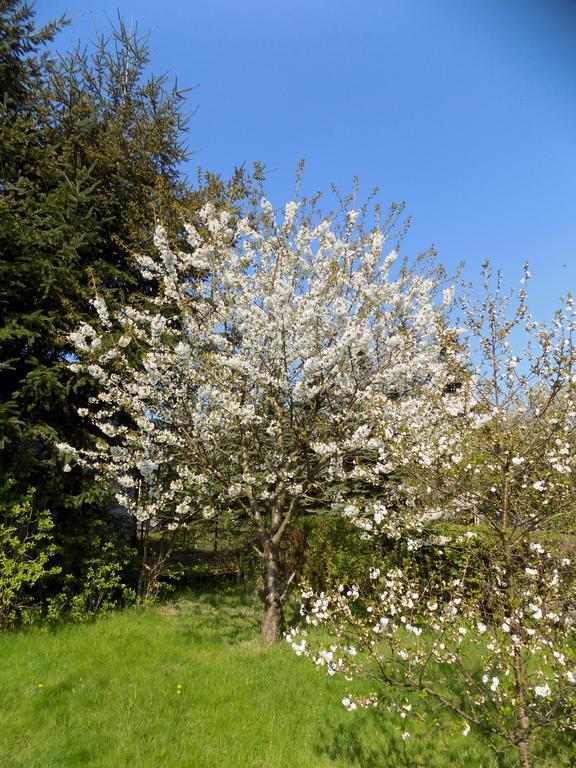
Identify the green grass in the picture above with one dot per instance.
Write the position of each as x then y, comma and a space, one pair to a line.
105, 695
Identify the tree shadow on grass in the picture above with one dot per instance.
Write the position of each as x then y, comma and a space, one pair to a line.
363, 744
225, 615
371, 739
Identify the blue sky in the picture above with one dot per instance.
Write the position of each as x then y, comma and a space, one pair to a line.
465, 110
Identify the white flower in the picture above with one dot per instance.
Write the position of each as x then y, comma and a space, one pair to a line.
349, 704
536, 611
299, 648
147, 467
95, 371
542, 691
352, 216
290, 212
494, 684
466, 729
183, 508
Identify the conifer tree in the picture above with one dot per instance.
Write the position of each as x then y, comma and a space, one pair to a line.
91, 151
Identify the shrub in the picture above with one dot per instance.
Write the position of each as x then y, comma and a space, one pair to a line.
98, 567
27, 552
325, 551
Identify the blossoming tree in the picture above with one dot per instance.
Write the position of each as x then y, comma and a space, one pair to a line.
255, 378
480, 619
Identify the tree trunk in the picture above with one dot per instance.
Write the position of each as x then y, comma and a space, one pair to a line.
523, 722
272, 599
524, 752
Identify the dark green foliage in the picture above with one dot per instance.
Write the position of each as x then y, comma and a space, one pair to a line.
90, 157
90, 152
324, 551
97, 564
19, 44
215, 551
71, 573
20, 79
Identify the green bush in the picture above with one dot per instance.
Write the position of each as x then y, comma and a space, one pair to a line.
50, 573
27, 551
324, 551
98, 569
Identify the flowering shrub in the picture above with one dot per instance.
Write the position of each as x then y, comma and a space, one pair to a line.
494, 643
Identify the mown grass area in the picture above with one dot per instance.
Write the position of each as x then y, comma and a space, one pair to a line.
107, 694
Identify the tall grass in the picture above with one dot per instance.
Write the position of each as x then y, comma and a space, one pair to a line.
187, 684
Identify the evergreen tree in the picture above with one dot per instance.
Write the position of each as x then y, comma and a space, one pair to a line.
91, 152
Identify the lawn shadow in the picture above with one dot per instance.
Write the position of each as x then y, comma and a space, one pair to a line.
228, 614
371, 739
366, 745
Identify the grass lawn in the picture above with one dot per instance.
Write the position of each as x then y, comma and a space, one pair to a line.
107, 694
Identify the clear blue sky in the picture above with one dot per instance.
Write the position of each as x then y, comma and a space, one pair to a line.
465, 109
